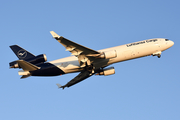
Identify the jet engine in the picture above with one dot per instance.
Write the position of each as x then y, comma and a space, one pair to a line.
107, 71
35, 60
108, 54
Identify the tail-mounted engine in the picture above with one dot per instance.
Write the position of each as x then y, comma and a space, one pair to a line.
35, 60
107, 71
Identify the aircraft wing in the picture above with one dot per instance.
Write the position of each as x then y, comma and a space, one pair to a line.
74, 48
80, 77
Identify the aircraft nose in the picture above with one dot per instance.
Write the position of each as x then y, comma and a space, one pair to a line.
171, 43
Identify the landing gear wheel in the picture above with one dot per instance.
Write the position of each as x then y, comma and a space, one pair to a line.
90, 68
159, 56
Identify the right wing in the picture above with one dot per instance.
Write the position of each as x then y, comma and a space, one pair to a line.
80, 77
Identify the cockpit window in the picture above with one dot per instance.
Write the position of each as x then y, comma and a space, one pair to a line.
166, 39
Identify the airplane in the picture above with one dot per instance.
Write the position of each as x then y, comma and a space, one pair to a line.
85, 60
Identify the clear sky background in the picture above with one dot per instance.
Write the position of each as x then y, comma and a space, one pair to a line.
143, 89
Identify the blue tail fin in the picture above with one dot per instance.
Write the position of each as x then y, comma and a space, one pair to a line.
21, 53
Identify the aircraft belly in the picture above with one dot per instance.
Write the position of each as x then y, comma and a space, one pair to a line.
70, 69
49, 71
68, 64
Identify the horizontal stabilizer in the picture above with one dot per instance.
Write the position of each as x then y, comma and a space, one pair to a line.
26, 66
25, 76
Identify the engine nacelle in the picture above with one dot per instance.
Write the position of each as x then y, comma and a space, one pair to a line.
38, 59
35, 60
107, 71
108, 54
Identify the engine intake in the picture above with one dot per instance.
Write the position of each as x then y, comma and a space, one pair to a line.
107, 71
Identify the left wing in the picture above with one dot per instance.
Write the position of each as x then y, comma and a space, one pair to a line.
73, 47
85, 55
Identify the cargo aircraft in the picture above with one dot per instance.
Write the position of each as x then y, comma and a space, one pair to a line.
85, 60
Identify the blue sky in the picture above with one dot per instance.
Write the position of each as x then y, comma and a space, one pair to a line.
142, 89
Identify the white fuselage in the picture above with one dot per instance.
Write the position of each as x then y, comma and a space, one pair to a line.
124, 52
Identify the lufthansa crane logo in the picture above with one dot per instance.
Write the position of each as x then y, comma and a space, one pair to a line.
22, 54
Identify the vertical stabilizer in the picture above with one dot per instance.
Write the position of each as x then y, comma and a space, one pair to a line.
21, 53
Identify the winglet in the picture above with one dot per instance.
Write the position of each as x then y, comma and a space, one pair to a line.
55, 35
59, 86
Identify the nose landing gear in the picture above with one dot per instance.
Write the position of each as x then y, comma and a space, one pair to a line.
158, 54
